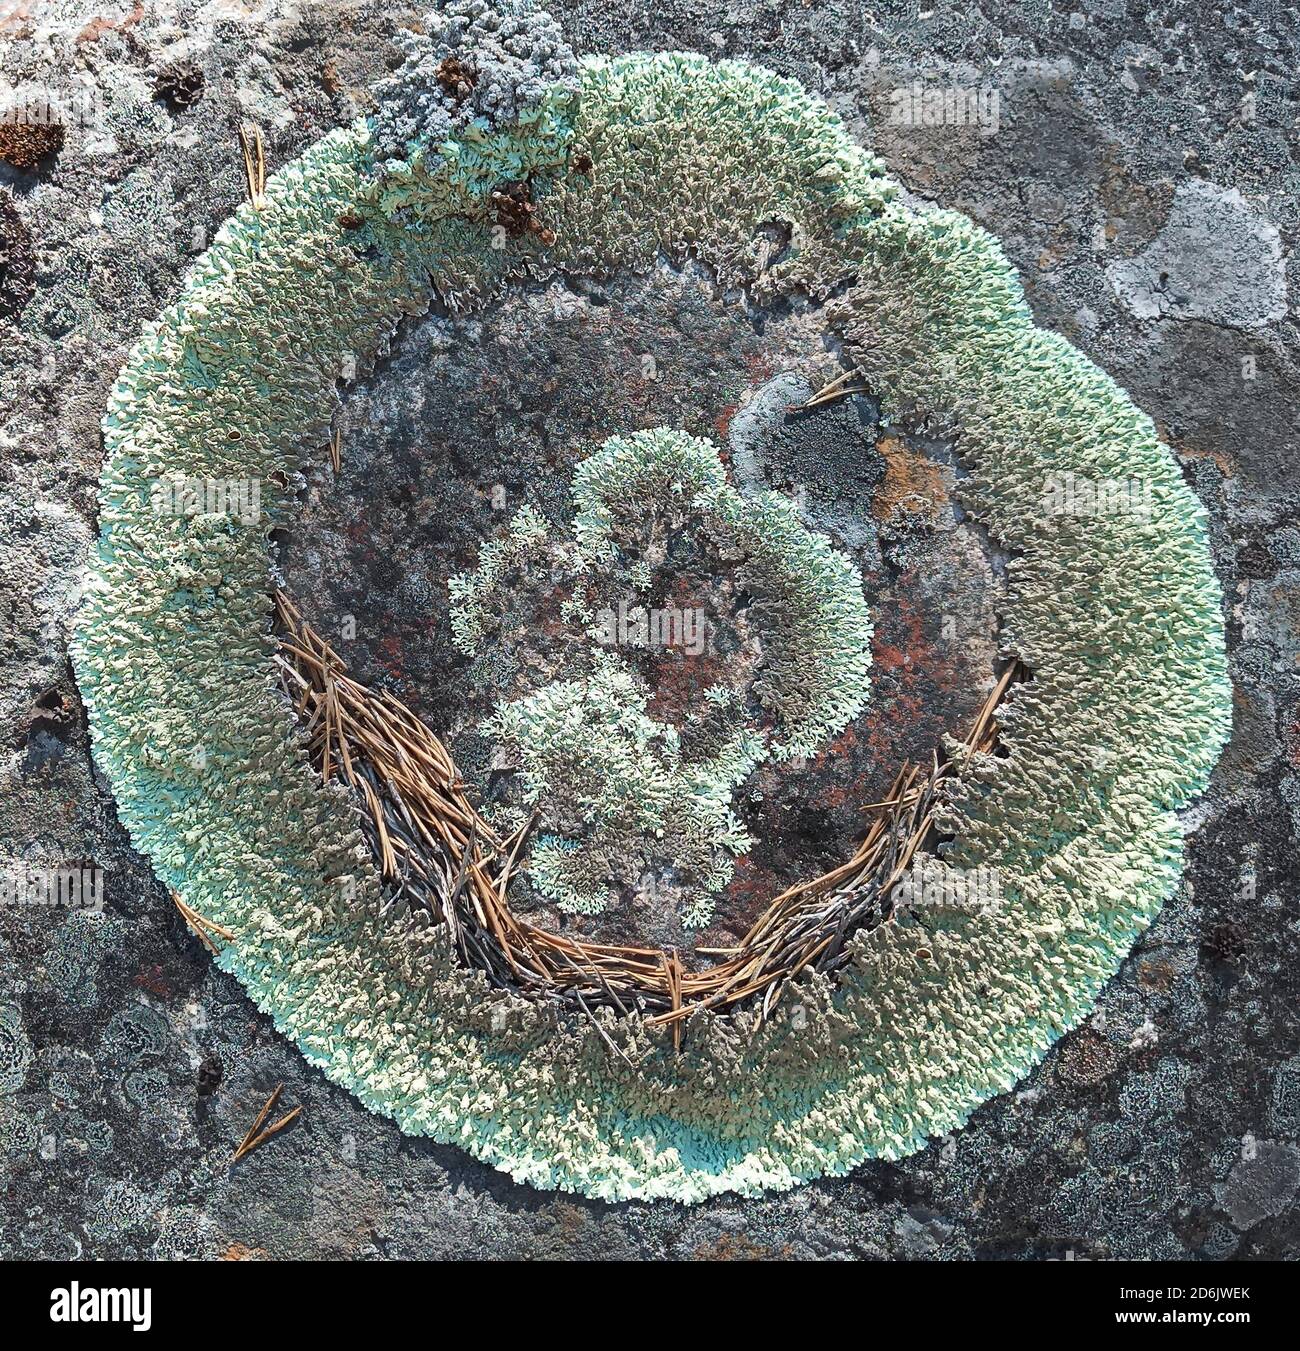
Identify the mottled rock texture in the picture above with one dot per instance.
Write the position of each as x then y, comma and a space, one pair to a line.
1165, 1128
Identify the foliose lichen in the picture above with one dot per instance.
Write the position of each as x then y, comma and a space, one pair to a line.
479, 66
620, 786
1117, 617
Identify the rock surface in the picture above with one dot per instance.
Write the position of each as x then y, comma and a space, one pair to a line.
1141, 172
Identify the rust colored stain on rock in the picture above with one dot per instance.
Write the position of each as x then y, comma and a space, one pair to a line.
912, 482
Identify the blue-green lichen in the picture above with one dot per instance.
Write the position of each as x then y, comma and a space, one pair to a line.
622, 779
1118, 619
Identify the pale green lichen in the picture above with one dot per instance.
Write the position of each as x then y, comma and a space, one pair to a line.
475, 596
619, 787
1118, 618
621, 778
807, 595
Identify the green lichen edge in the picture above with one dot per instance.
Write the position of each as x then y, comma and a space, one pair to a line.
1120, 626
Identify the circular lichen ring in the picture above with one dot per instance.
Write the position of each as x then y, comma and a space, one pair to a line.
1116, 614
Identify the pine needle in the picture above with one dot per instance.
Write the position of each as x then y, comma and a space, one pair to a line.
254, 151
437, 853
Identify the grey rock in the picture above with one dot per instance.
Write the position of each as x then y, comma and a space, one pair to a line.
1217, 259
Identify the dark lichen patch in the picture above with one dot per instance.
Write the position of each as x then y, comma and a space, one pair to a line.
28, 145
456, 77
1087, 1058
17, 260
180, 86
516, 212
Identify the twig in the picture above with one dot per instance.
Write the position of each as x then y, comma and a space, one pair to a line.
247, 1142
254, 152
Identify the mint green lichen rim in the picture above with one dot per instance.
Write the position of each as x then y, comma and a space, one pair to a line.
1118, 618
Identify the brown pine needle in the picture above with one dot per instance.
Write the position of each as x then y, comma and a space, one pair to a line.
336, 450
246, 1143
837, 388
203, 929
271, 1130
254, 151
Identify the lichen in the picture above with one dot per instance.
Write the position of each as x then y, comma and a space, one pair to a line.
615, 779
475, 595
631, 795
439, 103
1118, 619
807, 595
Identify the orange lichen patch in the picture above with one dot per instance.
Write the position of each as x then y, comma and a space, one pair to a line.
1156, 975
906, 625
728, 1247
26, 144
1225, 462
240, 1252
678, 682
15, 21
553, 624
96, 28
150, 978
678, 677
751, 888
913, 483
915, 680
1058, 249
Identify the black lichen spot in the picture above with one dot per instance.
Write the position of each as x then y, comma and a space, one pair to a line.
211, 1072
1087, 1058
17, 261
50, 726
1224, 942
1254, 560
179, 86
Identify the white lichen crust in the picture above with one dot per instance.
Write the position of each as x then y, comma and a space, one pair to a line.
1118, 619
